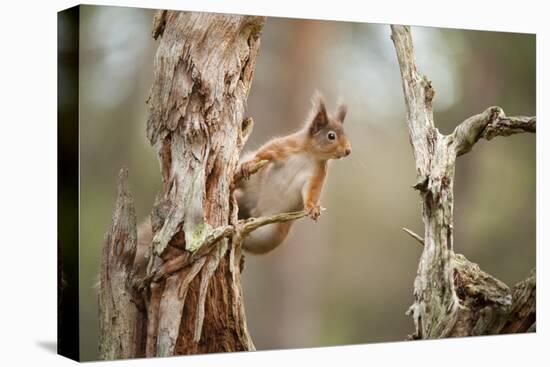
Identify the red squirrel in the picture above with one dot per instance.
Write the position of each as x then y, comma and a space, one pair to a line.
293, 178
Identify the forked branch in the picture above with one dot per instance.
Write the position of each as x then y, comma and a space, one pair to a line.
453, 296
418, 94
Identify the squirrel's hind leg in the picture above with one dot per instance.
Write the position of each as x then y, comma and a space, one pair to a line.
266, 238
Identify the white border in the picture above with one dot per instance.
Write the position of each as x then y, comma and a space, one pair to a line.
28, 184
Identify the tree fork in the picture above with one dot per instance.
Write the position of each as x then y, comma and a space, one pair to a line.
454, 297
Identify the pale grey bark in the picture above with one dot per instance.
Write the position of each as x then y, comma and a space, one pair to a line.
454, 297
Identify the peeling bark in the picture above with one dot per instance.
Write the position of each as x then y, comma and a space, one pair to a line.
454, 297
203, 73
190, 293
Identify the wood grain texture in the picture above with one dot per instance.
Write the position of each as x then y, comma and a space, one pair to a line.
190, 293
203, 73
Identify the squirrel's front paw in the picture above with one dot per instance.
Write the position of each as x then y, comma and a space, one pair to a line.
245, 170
313, 211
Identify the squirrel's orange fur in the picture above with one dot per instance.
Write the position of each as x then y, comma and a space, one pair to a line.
293, 178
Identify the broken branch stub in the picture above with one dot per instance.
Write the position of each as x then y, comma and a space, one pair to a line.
120, 321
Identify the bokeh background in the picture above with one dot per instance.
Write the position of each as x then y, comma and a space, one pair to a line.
348, 278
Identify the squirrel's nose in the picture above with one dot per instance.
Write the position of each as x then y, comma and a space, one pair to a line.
348, 151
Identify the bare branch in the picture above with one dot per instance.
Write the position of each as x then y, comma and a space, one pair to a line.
471, 130
245, 227
453, 296
488, 124
417, 237
418, 94
506, 126
251, 224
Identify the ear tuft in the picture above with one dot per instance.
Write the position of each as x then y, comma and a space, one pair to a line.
341, 112
319, 117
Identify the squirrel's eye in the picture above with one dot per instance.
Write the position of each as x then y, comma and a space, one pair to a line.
331, 135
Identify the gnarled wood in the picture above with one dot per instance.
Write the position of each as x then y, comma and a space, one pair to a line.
489, 124
190, 295
121, 323
203, 73
453, 297
237, 233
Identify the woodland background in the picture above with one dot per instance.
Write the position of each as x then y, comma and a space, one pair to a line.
348, 278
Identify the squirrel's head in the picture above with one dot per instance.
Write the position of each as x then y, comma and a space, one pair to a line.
326, 131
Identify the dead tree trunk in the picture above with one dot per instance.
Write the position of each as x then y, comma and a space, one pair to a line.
453, 297
188, 297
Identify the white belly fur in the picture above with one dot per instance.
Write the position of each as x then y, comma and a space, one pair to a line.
276, 188
280, 185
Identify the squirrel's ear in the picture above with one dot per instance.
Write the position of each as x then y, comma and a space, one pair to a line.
320, 117
341, 112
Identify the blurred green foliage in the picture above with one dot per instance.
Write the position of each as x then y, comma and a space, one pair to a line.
348, 278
